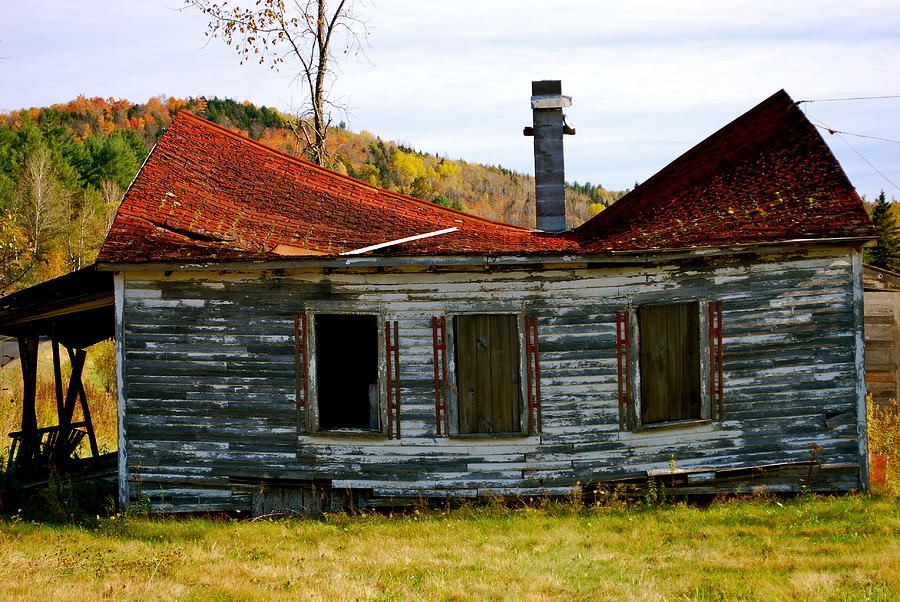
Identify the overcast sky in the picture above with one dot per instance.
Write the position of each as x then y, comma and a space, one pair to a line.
648, 79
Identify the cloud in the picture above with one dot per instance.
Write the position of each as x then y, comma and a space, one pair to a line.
649, 78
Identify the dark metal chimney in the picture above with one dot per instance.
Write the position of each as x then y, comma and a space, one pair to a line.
547, 103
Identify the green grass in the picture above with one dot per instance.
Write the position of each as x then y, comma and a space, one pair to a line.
809, 548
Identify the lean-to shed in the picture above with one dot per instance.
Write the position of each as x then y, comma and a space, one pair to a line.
707, 326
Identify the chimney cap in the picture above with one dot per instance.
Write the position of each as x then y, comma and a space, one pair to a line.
551, 102
547, 94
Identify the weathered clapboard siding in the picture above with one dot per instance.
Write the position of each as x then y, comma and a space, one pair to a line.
882, 336
210, 378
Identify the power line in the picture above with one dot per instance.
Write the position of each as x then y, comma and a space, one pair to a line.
832, 131
869, 163
852, 98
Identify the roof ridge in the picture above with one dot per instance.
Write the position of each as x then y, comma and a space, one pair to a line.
334, 174
770, 147
620, 207
747, 116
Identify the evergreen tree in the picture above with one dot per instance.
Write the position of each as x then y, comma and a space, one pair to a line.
886, 252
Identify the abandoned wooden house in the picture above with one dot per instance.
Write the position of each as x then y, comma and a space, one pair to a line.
283, 329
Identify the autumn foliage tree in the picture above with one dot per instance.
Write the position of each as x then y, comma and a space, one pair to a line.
300, 34
16, 259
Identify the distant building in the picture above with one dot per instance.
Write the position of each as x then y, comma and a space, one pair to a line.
882, 308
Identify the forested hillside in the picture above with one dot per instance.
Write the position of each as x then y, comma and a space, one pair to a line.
64, 169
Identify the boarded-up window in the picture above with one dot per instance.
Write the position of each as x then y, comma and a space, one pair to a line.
346, 352
487, 373
669, 362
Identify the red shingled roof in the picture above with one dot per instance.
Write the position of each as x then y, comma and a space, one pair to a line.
766, 176
206, 193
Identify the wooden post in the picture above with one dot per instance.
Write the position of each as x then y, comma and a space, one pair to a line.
65, 420
57, 377
77, 359
28, 355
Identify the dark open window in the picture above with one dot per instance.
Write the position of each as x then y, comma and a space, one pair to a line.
487, 373
669, 362
346, 352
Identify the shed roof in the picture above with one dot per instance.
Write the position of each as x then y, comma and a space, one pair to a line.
76, 308
208, 194
879, 279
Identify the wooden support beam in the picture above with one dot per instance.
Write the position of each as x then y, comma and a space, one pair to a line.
76, 358
28, 354
57, 376
77, 363
85, 410
30, 441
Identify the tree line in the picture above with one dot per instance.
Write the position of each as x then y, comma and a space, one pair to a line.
885, 253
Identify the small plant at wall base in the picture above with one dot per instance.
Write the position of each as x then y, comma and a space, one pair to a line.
884, 446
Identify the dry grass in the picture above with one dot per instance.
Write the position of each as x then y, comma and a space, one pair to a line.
884, 439
806, 549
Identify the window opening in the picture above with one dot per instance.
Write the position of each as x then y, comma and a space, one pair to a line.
346, 354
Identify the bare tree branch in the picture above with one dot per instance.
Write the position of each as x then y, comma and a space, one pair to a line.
298, 34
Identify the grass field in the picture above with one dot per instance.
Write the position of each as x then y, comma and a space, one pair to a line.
809, 548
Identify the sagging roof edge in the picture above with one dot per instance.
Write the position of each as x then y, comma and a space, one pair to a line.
647, 256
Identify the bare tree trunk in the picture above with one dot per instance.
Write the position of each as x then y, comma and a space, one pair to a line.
112, 198
301, 32
40, 202
319, 94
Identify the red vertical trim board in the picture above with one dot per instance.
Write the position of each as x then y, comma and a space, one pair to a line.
439, 347
301, 367
535, 417
392, 348
716, 359
623, 369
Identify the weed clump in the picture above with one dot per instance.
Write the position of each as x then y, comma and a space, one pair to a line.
883, 424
